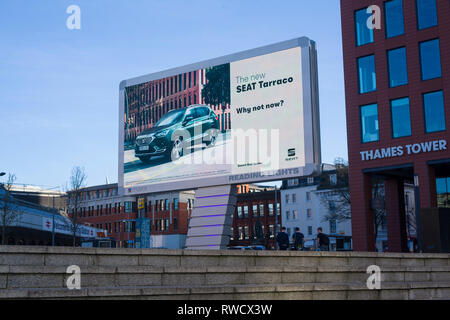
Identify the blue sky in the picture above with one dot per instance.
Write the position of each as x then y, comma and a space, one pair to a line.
59, 87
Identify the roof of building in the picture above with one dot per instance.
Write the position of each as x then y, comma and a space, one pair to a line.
99, 187
26, 188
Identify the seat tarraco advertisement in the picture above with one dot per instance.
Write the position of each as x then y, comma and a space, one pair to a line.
237, 121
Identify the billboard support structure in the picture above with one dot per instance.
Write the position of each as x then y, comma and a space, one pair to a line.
212, 217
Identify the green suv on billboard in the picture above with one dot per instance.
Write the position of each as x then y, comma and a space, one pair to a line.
176, 131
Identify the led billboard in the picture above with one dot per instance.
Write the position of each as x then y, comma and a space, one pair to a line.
247, 117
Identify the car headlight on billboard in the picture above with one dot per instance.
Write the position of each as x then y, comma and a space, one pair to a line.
162, 133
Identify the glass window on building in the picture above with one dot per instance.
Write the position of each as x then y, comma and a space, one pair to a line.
395, 25
430, 59
232, 234
309, 230
364, 34
246, 235
333, 179
128, 207
239, 212
426, 14
332, 226
287, 198
294, 198
270, 209
442, 192
401, 120
261, 209
245, 211
175, 203
294, 215
434, 111
271, 230
241, 233
366, 74
288, 215
398, 73
369, 123
255, 210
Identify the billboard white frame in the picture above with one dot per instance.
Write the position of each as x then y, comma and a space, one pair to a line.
310, 116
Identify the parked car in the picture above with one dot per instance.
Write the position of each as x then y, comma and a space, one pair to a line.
177, 130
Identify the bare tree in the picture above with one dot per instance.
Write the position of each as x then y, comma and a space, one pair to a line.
336, 194
8, 206
378, 206
76, 184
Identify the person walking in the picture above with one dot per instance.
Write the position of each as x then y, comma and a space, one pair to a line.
283, 239
298, 239
323, 242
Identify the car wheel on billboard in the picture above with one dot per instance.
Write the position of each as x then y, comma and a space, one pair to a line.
211, 138
177, 149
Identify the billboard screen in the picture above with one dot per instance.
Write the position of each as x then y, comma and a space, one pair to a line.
247, 117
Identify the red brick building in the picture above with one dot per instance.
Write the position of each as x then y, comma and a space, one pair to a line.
255, 203
397, 84
102, 207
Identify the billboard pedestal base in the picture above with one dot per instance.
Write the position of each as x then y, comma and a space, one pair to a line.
212, 217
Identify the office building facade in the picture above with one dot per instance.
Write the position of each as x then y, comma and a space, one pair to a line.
397, 84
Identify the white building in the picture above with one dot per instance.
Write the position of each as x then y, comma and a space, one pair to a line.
306, 207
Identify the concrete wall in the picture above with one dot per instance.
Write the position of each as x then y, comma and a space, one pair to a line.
40, 272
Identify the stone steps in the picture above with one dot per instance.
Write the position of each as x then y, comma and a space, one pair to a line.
285, 291
100, 276
63, 256
40, 272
